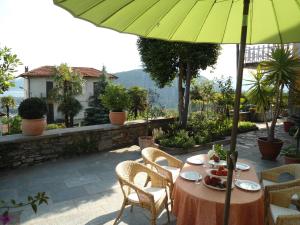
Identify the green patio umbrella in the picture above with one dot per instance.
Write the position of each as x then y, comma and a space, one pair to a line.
201, 21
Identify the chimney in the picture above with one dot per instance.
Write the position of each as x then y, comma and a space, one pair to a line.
26, 69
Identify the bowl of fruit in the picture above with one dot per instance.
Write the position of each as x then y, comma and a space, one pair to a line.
216, 183
217, 156
220, 172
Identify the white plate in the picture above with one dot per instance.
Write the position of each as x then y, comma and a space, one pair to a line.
248, 185
195, 160
242, 166
191, 175
216, 188
220, 163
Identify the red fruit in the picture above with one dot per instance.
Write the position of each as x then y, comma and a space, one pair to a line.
216, 158
219, 173
207, 180
221, 168
224, 173
215, 181
214, 172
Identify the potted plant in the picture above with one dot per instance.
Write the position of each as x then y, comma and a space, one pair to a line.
32, 112
291, 154
287, 125
116, 99
269, 82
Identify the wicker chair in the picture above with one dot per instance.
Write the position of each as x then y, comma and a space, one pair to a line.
270, 180
153, 198
271, 176
277, 204
170, 172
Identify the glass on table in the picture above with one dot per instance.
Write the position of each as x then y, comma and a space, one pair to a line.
237, 174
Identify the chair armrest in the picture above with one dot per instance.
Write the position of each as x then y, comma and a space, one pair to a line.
283, 185
167, 175
173, 161
274, 173
144, 197
282, 197
288, 220
157, 180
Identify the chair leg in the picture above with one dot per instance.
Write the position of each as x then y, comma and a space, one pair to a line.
167, 208
120, 212
147, 181
153, 220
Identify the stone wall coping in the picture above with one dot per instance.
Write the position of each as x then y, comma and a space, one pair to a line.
15, 138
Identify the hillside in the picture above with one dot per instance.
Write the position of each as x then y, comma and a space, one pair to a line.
168, 95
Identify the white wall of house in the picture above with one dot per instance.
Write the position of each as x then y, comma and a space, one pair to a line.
36, 86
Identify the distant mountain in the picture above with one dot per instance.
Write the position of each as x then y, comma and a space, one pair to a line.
168, 95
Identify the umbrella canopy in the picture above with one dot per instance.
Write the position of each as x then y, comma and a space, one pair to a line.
211, 21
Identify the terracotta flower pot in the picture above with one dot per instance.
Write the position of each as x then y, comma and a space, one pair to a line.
287, 125
291, 159
33, 127
269, 150
146, 141
117, 118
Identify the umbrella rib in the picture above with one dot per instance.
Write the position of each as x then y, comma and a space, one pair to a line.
298, 4
227, 21
114, 13
251, 16
277, 24
157, 1
89, 8
151, 29
180, 23
212, 5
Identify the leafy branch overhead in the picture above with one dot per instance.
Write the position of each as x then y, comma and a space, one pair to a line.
8, 64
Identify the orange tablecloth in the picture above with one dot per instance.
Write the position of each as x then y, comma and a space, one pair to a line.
196, 204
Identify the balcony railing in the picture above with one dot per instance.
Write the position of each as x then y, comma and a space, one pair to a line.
254, 54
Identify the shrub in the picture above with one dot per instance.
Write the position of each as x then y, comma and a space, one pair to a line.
246, 126
14, 124
180, 140
32, 108
292, 130
115, 98
55, 126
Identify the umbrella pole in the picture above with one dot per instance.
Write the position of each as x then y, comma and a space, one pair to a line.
232, 154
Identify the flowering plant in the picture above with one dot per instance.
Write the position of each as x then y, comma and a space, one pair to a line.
33, 201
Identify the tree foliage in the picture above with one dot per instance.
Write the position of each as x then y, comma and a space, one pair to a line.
71, 107
137, 99
8, 65
165, 60
67, 85
7, 103
280, 71
115, 98
225, 99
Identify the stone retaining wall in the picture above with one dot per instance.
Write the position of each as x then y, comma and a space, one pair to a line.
18, 150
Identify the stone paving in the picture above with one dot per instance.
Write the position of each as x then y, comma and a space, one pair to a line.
84, 190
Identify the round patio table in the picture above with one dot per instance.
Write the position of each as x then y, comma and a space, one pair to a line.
196, 204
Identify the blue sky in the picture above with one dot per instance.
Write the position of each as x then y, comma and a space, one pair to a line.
40, 33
